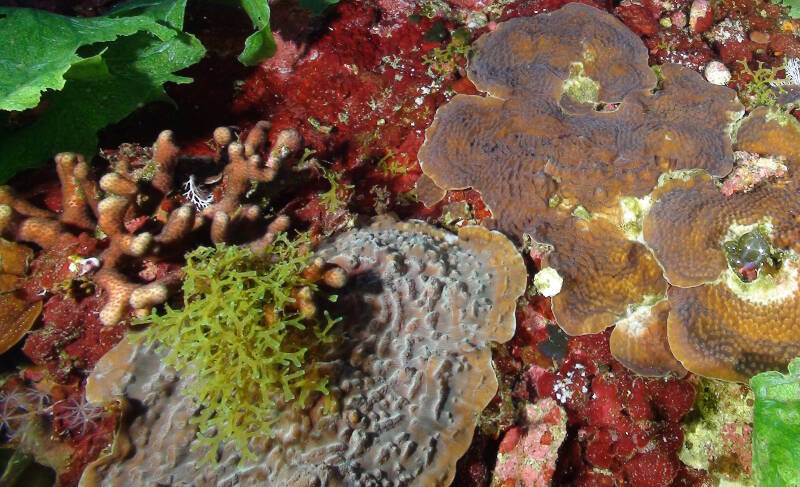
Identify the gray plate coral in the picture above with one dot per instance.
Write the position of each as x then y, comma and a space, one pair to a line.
420, 309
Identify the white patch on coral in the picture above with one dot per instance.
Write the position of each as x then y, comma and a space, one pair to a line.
548, 282
637, 314
736, 230
633, 211
728, 29
682, 174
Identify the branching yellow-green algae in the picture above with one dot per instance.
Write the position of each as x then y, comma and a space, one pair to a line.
237, 334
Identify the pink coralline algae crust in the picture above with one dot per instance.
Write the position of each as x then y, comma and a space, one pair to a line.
738, 440
71, 339
527, 454
751, 170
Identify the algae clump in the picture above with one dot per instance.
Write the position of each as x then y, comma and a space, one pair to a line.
717, 432
579, 87
249, 352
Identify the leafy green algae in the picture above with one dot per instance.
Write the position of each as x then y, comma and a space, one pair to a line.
248, 350
776, 427
132, 52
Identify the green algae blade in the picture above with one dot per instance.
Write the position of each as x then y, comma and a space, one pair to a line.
776, 427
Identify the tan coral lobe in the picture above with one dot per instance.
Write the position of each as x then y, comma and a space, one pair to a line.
576, 142
603, 273
639, 342
525, 151
689, 220
766, 131
716, 333
525, 55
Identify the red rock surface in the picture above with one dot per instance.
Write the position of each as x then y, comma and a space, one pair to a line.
619, 422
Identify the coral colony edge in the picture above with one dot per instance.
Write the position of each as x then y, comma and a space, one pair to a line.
413, 243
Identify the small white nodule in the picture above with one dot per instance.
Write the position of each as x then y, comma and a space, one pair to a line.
548, 282
717, 73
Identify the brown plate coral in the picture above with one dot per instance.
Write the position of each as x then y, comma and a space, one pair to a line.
420, 309
573, 149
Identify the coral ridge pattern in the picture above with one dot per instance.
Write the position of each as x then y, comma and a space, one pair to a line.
580, 145
407, 384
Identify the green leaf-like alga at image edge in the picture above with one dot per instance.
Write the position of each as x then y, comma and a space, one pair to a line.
103, 89
776, 427
792, 5
260, 45
37, 49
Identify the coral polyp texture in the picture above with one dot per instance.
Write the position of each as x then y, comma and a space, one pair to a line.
517, 58
690, 219
720, 324
136, 206
580, 145
406, 381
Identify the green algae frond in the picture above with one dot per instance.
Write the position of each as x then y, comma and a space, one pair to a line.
776, 427
579, 87
763, 88
249, 351
443, 61
337, 196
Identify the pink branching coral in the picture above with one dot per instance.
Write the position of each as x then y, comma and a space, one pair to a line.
136, 205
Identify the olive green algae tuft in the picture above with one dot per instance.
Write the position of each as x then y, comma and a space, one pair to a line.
237, 332
579, 87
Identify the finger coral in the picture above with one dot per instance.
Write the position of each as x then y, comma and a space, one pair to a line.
137, 206
406, 379
612, 169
